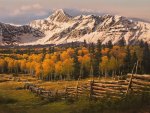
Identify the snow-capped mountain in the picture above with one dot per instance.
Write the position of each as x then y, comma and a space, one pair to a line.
60, 28
14, 35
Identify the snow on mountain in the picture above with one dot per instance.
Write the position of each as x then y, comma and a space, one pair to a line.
60, 28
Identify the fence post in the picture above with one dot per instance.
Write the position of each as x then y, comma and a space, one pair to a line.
130, 82
77, 88
66, 91
91, 89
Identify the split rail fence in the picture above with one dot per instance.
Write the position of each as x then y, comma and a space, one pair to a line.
134, 84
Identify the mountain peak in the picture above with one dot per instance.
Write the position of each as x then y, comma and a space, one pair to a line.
60, 11
60, 15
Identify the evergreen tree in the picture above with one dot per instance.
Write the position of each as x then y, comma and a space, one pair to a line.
109, 44
29, 51
49, 50
44, 51
133, 60
99, 45
76, 65
122, 42
92, 48
84, 43
127, 66
52, 49
17, 51
146, 58
97, 58
141, 44
72, 44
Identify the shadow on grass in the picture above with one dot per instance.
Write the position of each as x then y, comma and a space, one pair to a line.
130, 104
4, 100
3, 104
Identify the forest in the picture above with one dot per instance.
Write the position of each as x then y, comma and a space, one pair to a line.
76, 61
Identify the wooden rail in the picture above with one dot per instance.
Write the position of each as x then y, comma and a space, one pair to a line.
135, 84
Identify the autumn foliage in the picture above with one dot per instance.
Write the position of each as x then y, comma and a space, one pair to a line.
81, 61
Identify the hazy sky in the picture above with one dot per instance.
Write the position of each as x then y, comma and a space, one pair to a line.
23, 11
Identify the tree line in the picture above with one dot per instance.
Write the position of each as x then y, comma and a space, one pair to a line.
56, 63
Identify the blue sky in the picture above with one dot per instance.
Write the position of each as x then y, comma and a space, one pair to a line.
23, 11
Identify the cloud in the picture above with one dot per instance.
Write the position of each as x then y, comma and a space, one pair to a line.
30, 7
34, 8
23, 14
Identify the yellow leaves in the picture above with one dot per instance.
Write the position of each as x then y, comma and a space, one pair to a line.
48, 66
64, 56
63, 61
23, 65
68, 66
38, 68
37, 58
2, 63
113, 64
54, 57
80, 59
58, 68
18, 56
28, 65
118, 52
11, 64
80, 52
25, 56
85, 61
83, 51
47, 56
104, 63
70, 51
32, 65
16, 63
105, 51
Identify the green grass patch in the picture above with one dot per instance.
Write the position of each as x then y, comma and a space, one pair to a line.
23, 101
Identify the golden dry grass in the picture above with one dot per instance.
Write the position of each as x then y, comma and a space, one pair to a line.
23, 101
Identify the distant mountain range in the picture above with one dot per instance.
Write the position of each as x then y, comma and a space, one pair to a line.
61, 28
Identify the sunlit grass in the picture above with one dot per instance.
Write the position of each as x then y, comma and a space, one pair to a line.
13, 100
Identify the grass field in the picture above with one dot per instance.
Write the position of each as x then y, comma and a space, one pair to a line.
13, 100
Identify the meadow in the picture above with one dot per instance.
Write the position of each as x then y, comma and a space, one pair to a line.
13, 99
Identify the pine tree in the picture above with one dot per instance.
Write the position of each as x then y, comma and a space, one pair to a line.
133, 59
141, 44
109, 44
72, 44
146, 58
76, 65
97, 58
44, 51
127, 66
53, 49
92, 58
122, 42
49, 50
92, 48
99, 45
84, 43
29, 51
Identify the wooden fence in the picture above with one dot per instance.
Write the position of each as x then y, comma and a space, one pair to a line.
135, 84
